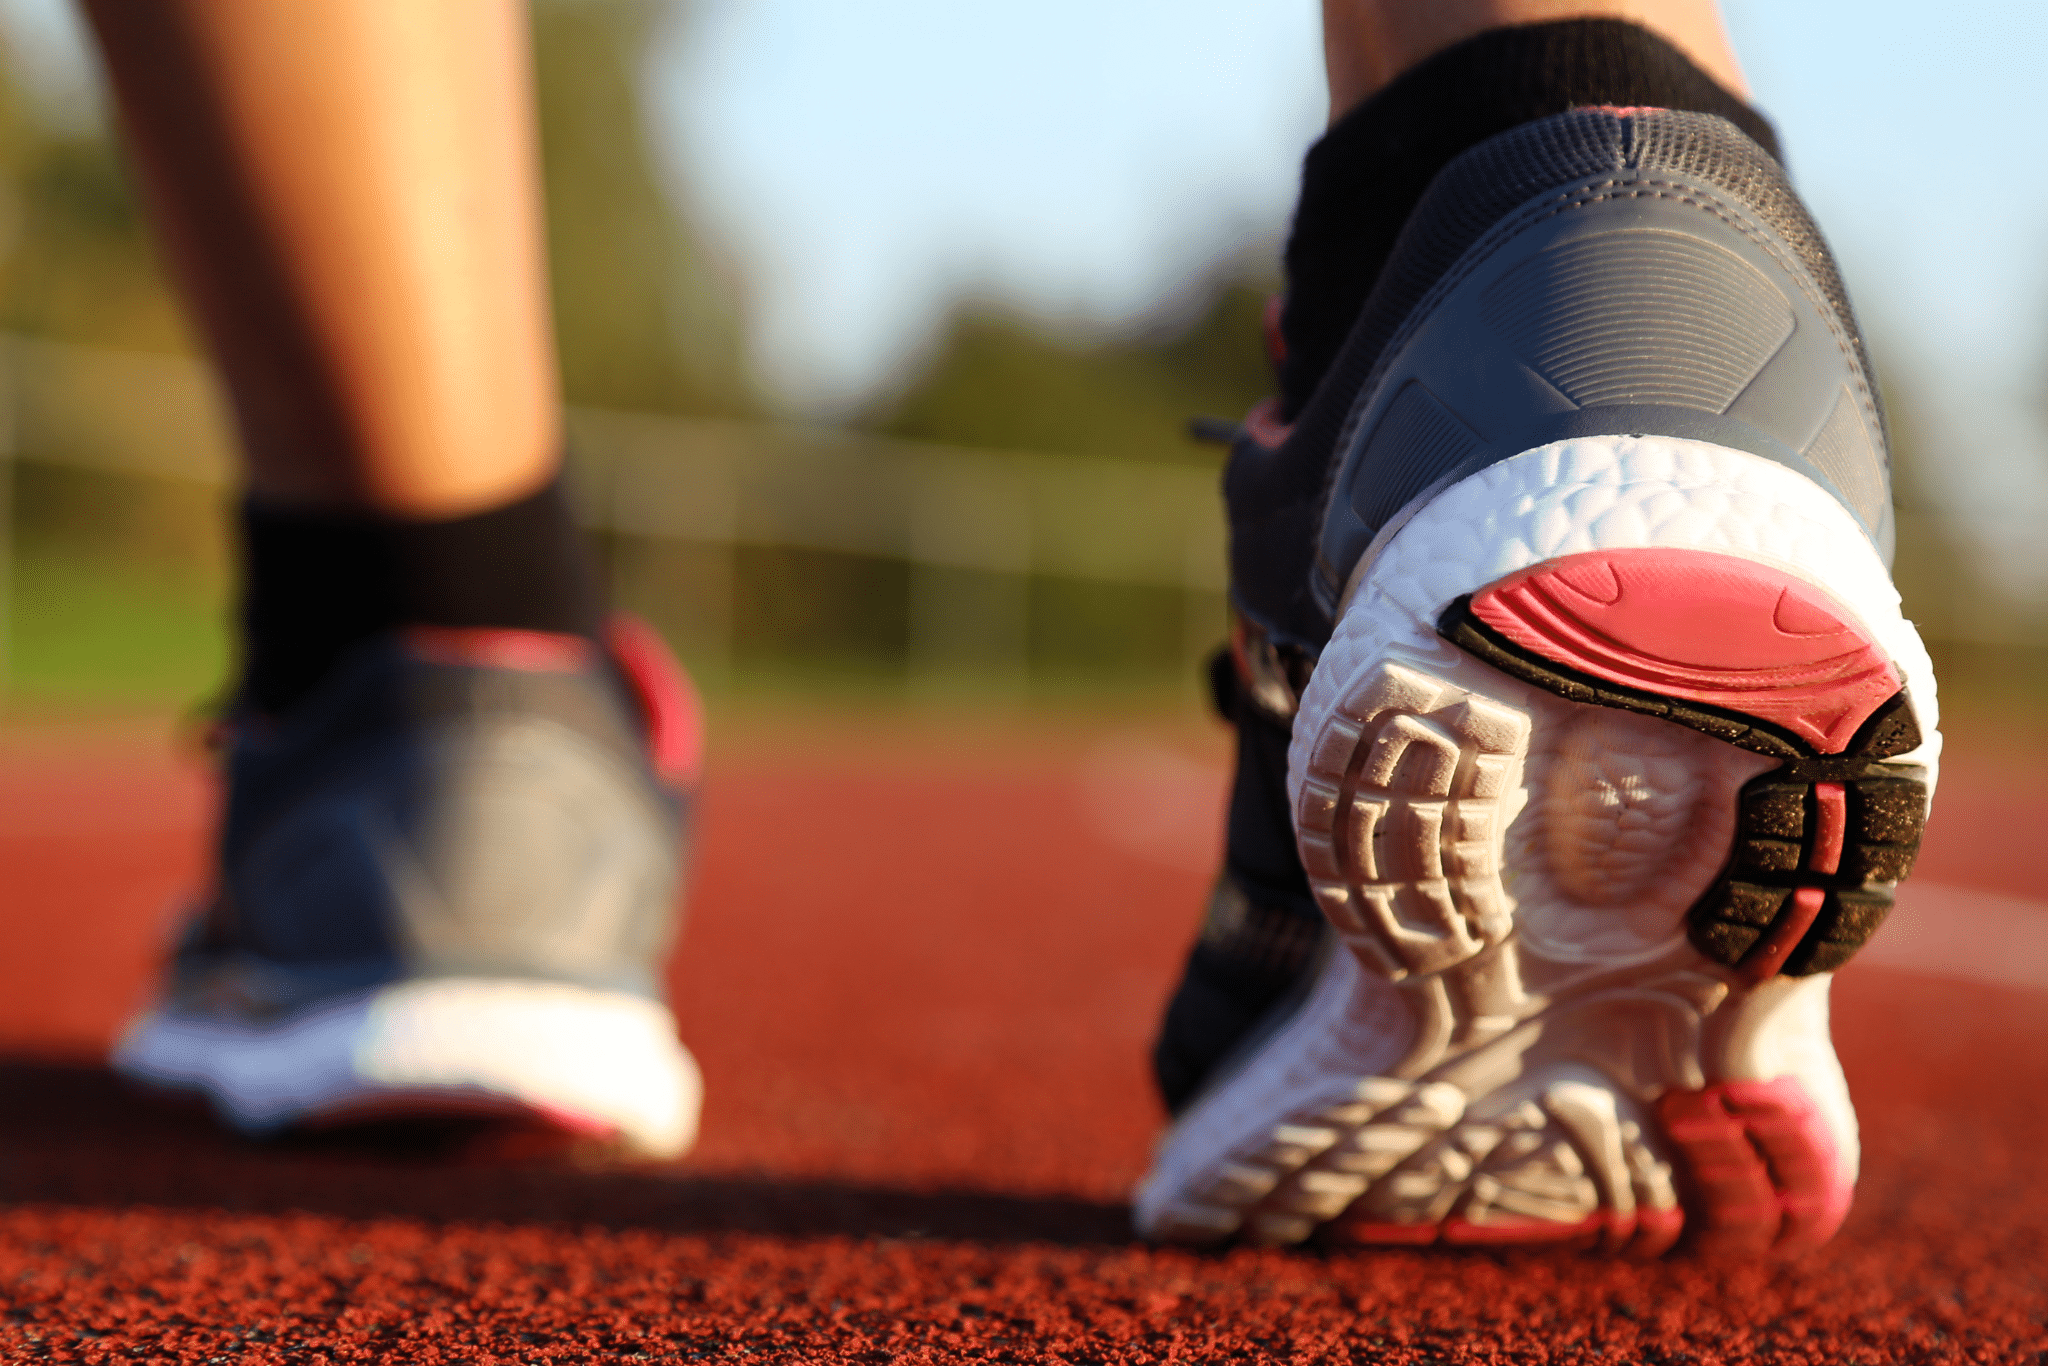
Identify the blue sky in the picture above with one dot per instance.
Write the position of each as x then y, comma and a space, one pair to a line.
871, 162
863, 166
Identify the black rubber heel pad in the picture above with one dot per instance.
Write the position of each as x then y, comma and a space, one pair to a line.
1778, 825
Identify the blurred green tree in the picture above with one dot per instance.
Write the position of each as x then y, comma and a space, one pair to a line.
76, 262
1989, 645
1000, 380
644, 319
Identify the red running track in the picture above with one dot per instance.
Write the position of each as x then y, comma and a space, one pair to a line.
921, 976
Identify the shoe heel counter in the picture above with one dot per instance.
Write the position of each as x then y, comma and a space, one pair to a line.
454, 819
1645, 297
540, 853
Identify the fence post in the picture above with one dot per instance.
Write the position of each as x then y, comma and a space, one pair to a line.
970, 582
8, 431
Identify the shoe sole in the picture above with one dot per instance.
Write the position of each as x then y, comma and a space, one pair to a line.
1617, 752
594, 1063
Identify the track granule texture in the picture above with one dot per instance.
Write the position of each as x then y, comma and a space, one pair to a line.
921, 981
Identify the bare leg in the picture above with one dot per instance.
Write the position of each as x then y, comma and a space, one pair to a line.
349, 189
1366, 43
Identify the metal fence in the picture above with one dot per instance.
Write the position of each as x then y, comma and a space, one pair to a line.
973, 528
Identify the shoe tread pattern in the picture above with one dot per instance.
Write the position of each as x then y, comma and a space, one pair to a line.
1400, 821
1742, 918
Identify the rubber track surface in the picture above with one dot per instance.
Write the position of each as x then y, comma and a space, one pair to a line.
921, 981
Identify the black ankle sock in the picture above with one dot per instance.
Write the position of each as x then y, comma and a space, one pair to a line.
315, 584
1360, 181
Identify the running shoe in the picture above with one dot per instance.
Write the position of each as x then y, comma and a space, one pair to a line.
446, 887
1615, 744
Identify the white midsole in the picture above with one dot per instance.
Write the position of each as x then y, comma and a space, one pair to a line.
1608, 493
605, 1061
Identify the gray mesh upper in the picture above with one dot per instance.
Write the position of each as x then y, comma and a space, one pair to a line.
413, 818
1590, 273
1595, 273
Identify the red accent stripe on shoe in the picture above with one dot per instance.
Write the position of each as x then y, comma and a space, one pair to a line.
1642, 1232
499, 647
1831, 825
1524, 1232
668, 699
1383, 1234
1802, 908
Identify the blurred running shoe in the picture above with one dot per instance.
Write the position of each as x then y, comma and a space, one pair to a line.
447, 885
1615, 744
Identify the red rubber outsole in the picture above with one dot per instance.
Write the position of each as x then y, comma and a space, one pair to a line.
1711, 629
